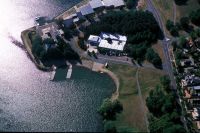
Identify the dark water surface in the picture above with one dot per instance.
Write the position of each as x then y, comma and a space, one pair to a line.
28, 100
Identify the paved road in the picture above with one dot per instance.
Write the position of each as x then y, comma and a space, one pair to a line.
168, 66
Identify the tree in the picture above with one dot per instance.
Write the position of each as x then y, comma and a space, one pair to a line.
169, 24
174, 31
153, 57
195, 17
174, 129
180, 2
130, 3
182, 42
174, 45
109, 109
165, 81
155, 101
184, 21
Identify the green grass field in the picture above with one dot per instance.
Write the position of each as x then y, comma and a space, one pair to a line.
133, 116
184, 10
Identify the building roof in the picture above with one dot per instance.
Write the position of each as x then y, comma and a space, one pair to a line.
115, 3
68, 22
117, 41
115, 45
196, 87
86, 10
113, 36
96, 4
94, 38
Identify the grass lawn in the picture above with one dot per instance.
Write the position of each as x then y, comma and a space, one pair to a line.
165, 7
149, 78
159, 49
133, 116
184, 10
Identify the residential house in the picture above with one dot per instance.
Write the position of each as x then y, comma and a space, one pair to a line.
196, 114
190, 80
85, 10
187, 62
94, 40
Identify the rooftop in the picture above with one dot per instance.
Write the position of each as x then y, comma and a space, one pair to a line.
115, 3
86, 10
96, 4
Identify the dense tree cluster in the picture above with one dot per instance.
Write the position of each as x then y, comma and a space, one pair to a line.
173, 29
154, 58
37, 45
61, 50
131, 3
109, 109
137, 25
165, 112
66, 50
180, 2
195, 17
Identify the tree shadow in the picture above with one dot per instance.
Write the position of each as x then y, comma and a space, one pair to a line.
181, 2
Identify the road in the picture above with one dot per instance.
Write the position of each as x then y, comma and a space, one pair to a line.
167, 65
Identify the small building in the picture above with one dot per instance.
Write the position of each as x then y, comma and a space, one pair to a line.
96, 4
85, 10
187, 62
190, 80
113, 3
196, 114
94, 40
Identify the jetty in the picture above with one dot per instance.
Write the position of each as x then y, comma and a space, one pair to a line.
69, 72
52, 76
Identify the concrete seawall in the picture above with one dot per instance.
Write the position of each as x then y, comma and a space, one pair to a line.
27, 43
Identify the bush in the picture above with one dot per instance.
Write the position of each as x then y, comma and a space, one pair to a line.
109, 109
82, 44
154, 58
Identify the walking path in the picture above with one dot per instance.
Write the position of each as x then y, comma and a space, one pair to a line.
141, 100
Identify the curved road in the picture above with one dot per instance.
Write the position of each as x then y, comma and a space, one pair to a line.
167, 66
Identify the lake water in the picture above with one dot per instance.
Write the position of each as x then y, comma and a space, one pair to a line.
28, 100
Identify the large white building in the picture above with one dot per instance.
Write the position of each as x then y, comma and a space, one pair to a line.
114, 3
108, 41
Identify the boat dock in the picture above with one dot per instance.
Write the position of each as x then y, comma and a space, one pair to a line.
52, 76
69, 72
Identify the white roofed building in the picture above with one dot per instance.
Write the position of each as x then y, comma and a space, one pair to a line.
95, 4
114, 3
85, 10
113, 42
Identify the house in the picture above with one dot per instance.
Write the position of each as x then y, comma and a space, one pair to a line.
85, 10
94, 40
49, 30
187, 62
196, 114
96, 4
113, 3
190, 80
192, 92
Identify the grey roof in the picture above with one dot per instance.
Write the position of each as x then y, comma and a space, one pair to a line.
115, 3
96, 4
86, 10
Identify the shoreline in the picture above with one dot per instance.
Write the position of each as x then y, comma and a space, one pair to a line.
88, 64
27, 44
